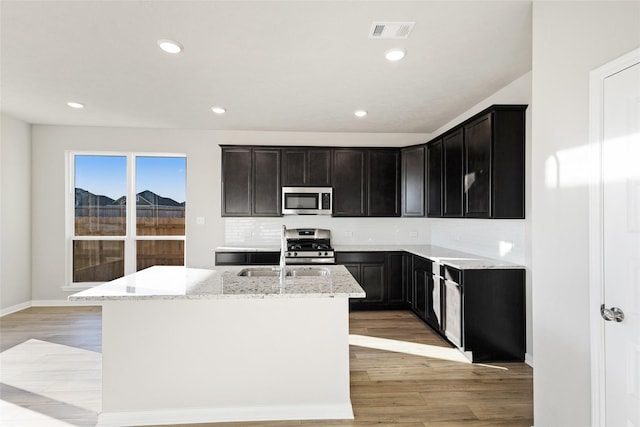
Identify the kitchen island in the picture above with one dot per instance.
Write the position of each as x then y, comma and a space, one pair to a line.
183, 345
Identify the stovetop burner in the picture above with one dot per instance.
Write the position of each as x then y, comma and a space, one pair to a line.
309, 246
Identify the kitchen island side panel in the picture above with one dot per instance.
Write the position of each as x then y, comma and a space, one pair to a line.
188, 361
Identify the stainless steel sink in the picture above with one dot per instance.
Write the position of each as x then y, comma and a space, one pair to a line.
258, 272
291, 272
308, 272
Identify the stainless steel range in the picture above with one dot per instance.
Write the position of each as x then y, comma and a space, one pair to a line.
309, 246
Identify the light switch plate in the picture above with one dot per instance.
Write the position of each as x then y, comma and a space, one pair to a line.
200, 220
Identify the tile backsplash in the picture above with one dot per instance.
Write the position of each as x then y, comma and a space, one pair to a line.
498, 239
344, 231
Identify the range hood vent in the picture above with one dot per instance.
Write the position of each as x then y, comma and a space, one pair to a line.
390, 30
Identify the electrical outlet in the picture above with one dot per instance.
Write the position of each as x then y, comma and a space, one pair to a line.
200, 220
413, 234
348, 234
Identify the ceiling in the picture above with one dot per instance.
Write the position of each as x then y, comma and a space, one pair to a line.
274, 65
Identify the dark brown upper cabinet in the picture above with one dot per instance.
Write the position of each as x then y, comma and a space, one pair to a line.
366, 182
477, 169
452, 157
434, 178
383, 182
236, 181
306, 167
250, 181
412, 169
474, 170
477, 177
349, 182
494, 163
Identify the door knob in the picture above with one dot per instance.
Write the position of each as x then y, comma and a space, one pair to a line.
612, 314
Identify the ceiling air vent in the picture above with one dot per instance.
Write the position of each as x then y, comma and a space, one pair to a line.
391, 30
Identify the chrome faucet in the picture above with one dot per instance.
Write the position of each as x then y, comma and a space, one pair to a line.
283, 249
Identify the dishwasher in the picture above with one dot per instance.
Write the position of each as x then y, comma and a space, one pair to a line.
453, 312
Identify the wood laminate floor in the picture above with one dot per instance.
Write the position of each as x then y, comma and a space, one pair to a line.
402, 375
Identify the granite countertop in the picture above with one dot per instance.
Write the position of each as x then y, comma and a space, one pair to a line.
173, 282
440, 255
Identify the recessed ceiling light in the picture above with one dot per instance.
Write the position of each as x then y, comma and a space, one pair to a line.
218, 110
360, 113
75, 105
394, 54
170, 46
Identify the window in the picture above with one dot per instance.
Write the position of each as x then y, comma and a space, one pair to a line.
108, 235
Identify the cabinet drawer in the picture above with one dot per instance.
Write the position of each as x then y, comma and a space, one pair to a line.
359, 257
423, 264
231, 258
451, 274
264, 258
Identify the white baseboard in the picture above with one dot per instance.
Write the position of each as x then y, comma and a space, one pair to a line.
15, 308
212, 415
528, 359
46, 303
62, 303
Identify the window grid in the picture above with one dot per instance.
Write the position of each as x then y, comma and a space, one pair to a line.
130, 239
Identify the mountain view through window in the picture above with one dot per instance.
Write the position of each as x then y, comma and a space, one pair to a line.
101, 222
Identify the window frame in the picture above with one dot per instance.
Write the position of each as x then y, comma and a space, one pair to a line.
130, 238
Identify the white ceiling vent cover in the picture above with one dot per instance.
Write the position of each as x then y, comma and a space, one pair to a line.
391, 30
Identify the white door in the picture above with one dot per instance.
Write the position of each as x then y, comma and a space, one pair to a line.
620, 310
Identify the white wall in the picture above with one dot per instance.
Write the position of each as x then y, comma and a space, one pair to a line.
50, 143
15, 214
569, 40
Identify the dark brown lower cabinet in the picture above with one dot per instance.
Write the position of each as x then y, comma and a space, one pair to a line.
482, 312
493, 314
368, 268
395, 287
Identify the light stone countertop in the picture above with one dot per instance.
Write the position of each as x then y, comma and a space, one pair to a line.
438, 254
173, 282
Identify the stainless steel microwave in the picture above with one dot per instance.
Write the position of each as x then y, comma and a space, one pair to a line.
307, 200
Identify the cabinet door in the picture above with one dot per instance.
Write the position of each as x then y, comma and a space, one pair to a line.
349, 189
413, 181
266, 182
373, 282
508, 163
422, 282
306, 166
452, 161
319, 168
236, 182
371, 278
434, 179
294, 167
407, 265
477, 168
395, 279
383, 178
368, 268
